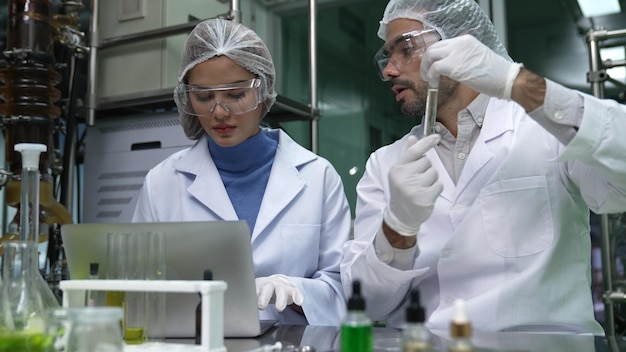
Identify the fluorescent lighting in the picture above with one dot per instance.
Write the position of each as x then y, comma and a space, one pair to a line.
615, 53
592, 8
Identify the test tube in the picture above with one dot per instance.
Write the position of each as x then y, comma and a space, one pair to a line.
430, 115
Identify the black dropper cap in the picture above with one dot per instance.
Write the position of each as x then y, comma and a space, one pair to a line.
93, 269
207, 275
356, 301
415, 311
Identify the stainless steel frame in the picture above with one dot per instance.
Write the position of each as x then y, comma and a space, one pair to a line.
92, 102
596, 77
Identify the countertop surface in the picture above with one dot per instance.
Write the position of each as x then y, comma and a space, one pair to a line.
327, 339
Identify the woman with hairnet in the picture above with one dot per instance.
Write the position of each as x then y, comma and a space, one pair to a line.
493, 208
292, 199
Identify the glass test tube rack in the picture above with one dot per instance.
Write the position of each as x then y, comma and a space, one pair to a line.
212, 296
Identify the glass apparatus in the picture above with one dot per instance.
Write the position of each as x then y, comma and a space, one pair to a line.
29, 215
28, 99
22, 324
95, 329
24, 295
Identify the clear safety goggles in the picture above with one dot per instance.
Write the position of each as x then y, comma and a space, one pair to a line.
236, 98
403, 49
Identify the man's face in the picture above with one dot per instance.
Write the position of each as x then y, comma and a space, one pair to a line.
405, 79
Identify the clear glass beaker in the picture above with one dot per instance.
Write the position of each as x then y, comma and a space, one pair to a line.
22, 313
95, 329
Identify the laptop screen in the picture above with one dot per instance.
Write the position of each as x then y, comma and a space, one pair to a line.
190, 248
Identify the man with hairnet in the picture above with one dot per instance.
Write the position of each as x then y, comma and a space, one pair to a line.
492, 208
292, 199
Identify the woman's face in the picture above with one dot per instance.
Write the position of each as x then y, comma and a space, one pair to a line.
225, 128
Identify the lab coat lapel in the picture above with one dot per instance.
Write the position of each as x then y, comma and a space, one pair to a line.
480, 165
448, 186
207, 187
284, 183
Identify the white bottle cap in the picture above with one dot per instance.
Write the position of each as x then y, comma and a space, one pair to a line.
30, 153
460, 316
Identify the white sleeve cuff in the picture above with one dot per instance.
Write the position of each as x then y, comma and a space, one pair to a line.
510, 79
398, 258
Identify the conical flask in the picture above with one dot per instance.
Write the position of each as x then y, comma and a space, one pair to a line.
22, 324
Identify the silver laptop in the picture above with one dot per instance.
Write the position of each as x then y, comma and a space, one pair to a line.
191, 248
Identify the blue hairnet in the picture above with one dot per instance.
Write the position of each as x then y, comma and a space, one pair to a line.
450, 18
219, 37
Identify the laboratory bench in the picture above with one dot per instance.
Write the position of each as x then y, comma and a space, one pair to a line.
327, 339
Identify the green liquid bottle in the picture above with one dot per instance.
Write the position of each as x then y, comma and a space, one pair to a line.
356, 329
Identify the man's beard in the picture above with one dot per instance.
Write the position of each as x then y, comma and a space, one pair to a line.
417, 107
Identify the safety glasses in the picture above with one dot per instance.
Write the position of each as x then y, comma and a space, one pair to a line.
403, 49
236, 98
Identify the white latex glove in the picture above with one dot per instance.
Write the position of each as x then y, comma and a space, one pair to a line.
277, 288
466, 60
413, 187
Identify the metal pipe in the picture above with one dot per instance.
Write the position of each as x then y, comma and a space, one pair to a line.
235, 11
597, 89
603, 34
90, 99
69, 150
613, 63
607, 275
148, 35
313, 75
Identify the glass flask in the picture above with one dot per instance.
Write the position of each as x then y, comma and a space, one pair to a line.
95, 329
22, 317
29, 217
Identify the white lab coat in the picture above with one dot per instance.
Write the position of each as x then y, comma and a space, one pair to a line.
511, 238
302, 224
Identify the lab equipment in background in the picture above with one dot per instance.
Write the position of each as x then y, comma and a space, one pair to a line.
356, 329
460, 329
29, 97
206, 276
415, 336
430, 115
29, 110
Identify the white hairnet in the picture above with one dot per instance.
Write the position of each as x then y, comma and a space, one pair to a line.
217, 37
450, 18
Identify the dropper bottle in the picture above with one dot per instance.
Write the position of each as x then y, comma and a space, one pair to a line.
415, 336
356, 328
460, 329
